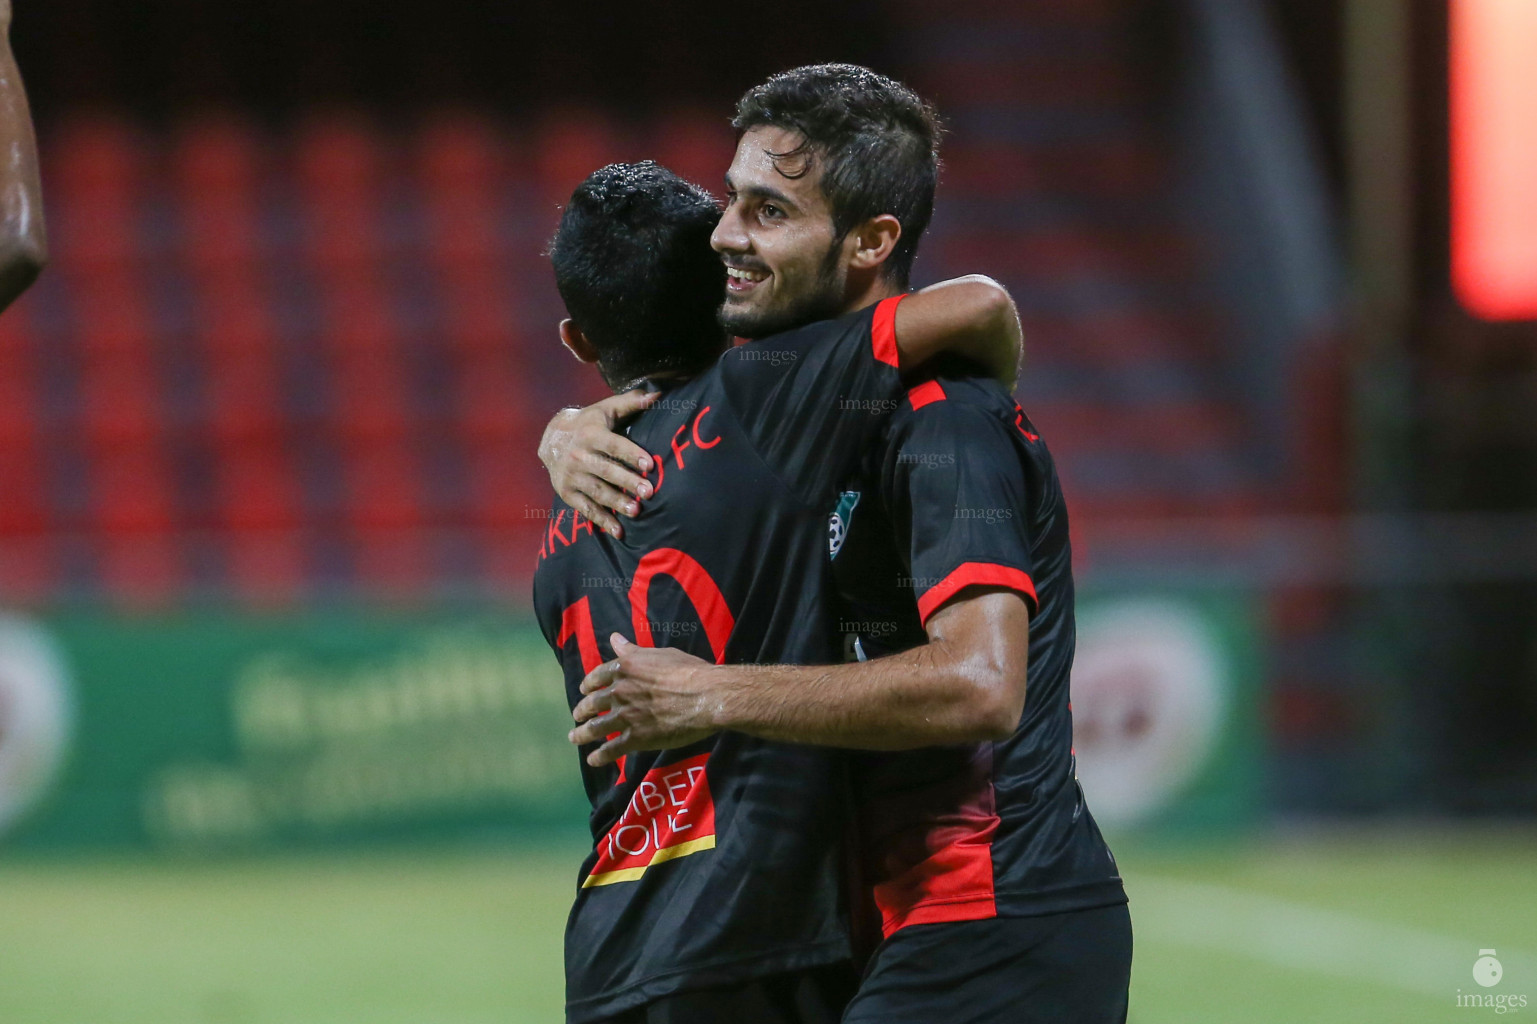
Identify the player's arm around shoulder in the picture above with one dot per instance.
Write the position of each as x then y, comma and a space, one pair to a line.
973, 317
23, 238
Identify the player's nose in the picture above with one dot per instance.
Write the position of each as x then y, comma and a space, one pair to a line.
730, 234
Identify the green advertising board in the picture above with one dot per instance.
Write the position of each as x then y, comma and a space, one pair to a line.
216, 731
238, 731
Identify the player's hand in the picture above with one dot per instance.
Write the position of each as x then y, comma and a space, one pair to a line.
647, 698
596, 471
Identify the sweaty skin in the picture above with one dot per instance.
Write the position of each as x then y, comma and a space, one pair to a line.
967, 684
23, 237
776, 239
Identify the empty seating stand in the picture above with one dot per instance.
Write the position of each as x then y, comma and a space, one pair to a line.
287, 365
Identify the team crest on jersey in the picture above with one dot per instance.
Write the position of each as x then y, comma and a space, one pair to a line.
838, 522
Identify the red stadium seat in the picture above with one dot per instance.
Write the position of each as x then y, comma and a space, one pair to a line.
140, 561
120, 405
341, 165
568, 146
391, 564
266, 567
357, 317
142, 571
24, 509
243, 400
28, 569
369, 400
216, 165
112, 318
339, 155
461, 154
257, 491
696, 144
384, 488
132, 493
463, 232
19, 401
95, 159
234, 319
478, 315
492, 406
508, 487
217, 156
94, 170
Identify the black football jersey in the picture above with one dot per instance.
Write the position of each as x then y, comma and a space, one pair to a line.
962, 491
721, 861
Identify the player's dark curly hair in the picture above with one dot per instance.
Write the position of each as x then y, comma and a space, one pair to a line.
634, 266
876, 140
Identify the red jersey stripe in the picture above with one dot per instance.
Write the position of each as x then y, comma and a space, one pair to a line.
973, 574
926, 393
883, 330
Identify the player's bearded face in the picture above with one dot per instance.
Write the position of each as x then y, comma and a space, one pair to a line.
785, 267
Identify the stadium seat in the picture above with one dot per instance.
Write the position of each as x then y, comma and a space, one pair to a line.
218, 155
233, 319
339, 155
112, 317
491, 404
369, 403
132, 492
694, 143
24, 510
144, 571
120, 406
20, 407
95, 158
568, 145
243, 401
383, 487
459, 154
256, 490
478, 320
266, 568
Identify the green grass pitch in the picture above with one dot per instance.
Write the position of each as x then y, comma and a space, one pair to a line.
1350, 928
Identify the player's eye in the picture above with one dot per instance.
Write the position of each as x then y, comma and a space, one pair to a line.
772, 212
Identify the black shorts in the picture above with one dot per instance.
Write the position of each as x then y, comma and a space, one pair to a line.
814, 996
1074, 967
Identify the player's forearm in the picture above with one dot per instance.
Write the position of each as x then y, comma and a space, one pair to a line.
23, 239
932, 694
972, 317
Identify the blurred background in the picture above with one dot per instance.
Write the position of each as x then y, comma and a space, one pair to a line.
278, 738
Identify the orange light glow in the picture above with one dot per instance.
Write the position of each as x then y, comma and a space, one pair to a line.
1494, 157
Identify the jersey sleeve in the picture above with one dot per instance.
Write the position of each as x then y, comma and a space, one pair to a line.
953, 477
813, 399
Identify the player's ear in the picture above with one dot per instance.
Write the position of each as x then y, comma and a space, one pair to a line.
874, 241
572, 337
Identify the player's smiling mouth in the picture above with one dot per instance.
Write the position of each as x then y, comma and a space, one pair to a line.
741, 280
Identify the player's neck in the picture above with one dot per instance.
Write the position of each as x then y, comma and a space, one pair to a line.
662, 380
877, 288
